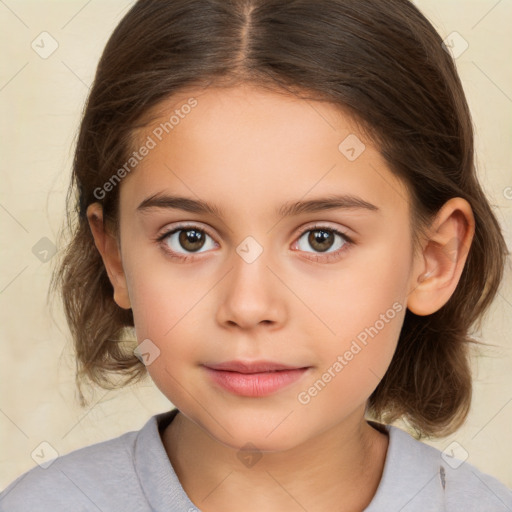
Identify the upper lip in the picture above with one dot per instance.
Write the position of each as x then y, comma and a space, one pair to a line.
251, 366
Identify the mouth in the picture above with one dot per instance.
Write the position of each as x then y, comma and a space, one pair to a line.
254, 378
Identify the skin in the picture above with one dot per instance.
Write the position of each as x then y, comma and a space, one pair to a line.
248, 152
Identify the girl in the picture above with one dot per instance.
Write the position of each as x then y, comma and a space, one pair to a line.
278, 201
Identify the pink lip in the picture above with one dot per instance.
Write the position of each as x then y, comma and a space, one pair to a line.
258, 378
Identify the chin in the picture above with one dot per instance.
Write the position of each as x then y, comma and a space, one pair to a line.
267, 433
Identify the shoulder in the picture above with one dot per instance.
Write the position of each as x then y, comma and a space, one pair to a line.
85, 479
419, 477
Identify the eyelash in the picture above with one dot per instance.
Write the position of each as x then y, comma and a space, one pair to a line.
316, 257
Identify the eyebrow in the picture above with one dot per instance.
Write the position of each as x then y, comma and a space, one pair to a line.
289, 209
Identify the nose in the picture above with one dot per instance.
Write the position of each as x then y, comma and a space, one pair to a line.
252, 293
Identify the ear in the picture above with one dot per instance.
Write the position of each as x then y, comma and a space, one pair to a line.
439, 266
108, 247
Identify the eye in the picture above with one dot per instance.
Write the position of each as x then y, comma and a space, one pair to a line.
191, 239
322, 239
182, 242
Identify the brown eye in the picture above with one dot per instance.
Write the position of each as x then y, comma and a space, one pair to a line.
185, 240
325, 240
320, 239
191, 239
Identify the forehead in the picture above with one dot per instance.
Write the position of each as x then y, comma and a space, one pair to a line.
250, 148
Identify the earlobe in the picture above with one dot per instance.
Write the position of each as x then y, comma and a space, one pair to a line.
443, 257
110, 253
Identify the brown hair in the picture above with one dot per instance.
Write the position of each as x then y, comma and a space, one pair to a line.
380, 60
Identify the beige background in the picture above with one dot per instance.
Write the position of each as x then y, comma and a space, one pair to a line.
41, 102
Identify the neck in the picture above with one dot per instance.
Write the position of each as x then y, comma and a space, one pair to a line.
340, 468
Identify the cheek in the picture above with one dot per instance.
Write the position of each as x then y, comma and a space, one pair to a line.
352, 366
165, 318
162, 293
364, 307
368, 292
166, 305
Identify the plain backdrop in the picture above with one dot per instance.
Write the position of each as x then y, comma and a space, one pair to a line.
41, 100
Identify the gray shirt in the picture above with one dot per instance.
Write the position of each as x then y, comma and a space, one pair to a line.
133, 473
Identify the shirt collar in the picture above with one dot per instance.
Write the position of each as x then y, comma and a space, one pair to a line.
404, 482
161, 487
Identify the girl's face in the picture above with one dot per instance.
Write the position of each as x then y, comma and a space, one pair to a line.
268, 274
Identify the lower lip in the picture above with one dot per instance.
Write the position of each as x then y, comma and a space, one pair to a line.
255, 384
